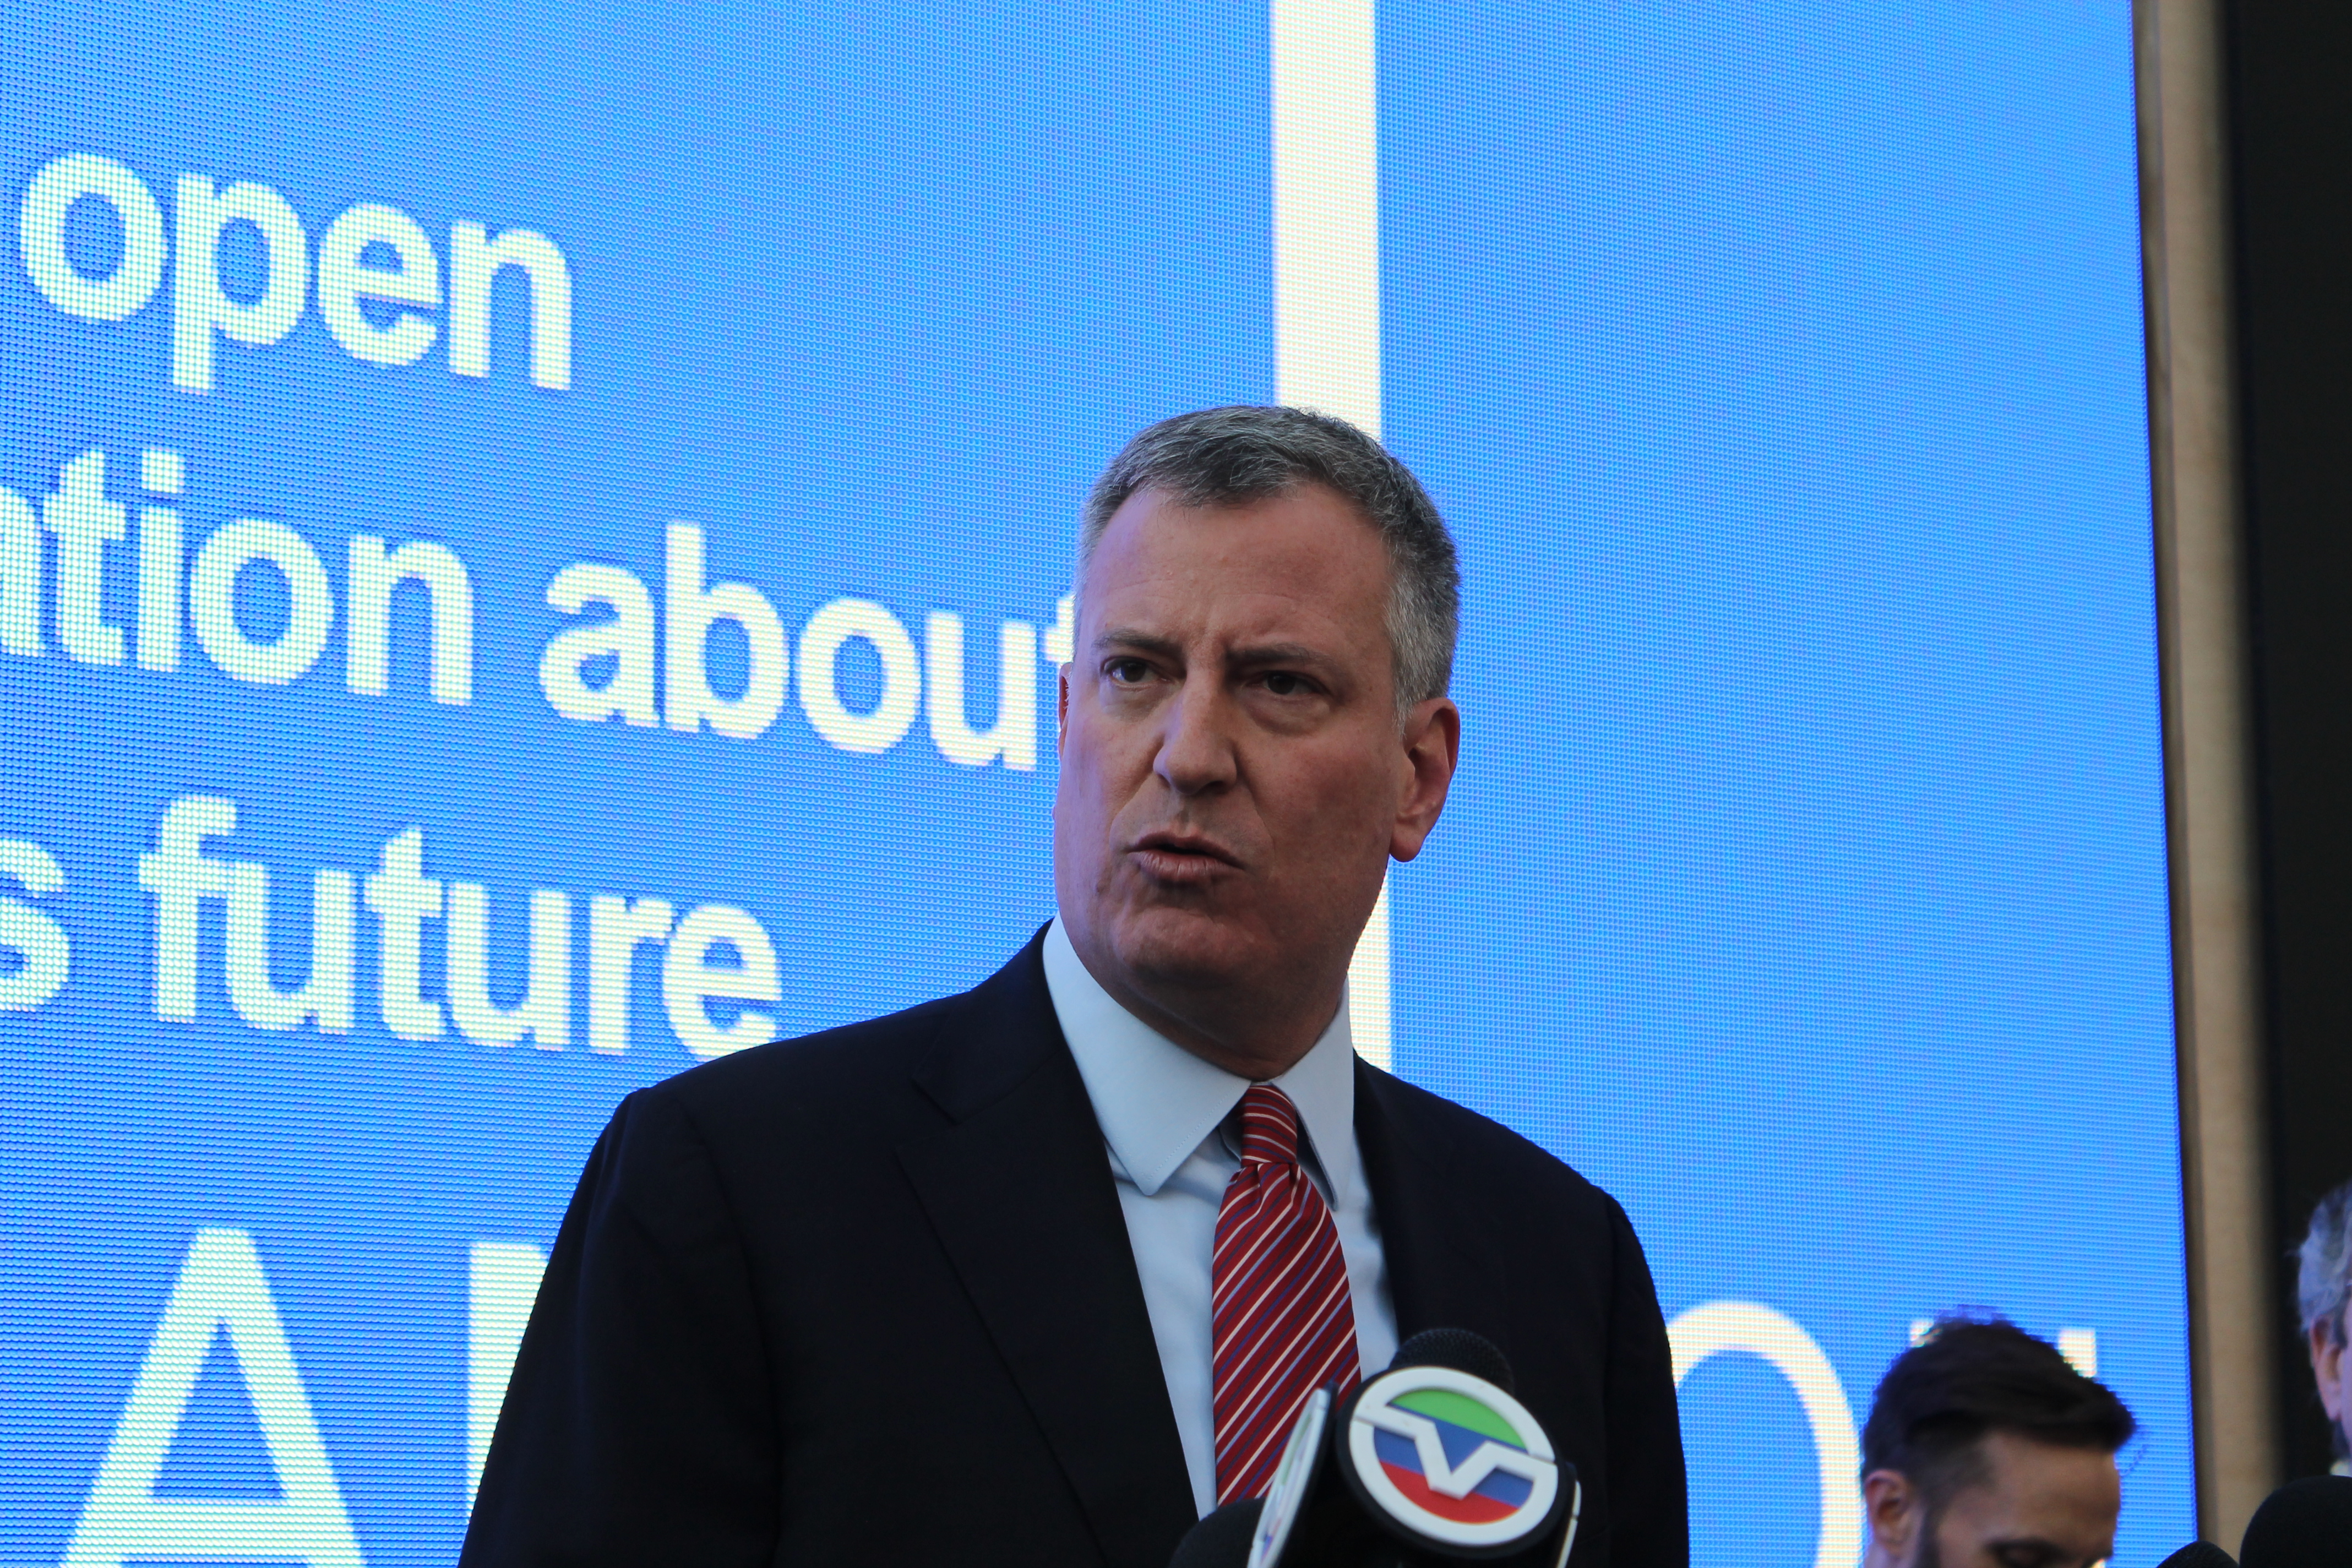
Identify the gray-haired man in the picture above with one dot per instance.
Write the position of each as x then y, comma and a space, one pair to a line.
1041, 1273
2325, 1294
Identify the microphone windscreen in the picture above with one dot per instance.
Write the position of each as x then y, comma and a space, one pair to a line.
1222, 1540
1459, 1349
2304, 1525
2199, 1554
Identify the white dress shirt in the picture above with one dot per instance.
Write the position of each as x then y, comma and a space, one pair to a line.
1163, 1113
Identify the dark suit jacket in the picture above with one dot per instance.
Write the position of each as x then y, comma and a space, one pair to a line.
867, 1297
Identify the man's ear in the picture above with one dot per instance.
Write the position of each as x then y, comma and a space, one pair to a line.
1432, 737
1897, 1514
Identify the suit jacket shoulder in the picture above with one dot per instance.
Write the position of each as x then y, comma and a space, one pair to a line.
809, 1093
1498, 1152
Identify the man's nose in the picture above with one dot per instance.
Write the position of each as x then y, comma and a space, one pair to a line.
1196, 750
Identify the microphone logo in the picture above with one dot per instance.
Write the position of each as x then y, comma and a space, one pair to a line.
1452, 1457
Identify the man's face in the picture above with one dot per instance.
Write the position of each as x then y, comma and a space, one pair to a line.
1235, 777
2331, 1368
2039, 1505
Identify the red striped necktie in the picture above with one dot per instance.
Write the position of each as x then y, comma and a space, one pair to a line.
1283, 1323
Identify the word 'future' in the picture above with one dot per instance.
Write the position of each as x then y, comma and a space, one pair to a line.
708, 952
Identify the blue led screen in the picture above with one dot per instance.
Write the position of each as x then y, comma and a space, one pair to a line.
533, 551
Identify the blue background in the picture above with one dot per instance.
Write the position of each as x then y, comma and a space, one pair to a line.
1778, 365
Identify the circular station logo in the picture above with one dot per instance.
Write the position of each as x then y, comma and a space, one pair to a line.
1452, 1459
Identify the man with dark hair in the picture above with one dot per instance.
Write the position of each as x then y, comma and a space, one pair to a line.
1985, 1449
1042, 1273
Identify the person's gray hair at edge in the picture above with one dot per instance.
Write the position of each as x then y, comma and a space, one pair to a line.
1227, 456
2323, 1284
2326, 1283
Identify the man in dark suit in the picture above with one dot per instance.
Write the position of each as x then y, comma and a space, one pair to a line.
1040, 1273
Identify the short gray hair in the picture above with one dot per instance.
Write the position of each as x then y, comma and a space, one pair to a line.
1224, 456
2326, 1280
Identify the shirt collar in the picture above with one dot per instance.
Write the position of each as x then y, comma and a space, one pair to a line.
1157, 1101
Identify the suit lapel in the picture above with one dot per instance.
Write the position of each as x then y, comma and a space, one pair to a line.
1019, 1190
1439, 1273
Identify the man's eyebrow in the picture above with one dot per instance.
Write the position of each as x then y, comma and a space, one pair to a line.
1250, 655
1134, 638
1254, 654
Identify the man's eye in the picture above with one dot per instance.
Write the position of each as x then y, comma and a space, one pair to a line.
1282, 683
1127, 671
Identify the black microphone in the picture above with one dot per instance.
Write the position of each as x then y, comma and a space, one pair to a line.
1459, 1349
1222, 1540
2304, 1525
2199, 1554
1431, 1462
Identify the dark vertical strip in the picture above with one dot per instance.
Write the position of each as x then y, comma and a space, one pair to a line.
2291, 68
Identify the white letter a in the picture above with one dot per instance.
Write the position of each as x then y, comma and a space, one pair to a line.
220, 1287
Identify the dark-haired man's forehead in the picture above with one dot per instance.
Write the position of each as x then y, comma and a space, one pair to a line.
2065, 1499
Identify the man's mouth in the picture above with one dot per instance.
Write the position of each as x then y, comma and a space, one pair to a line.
1181, 857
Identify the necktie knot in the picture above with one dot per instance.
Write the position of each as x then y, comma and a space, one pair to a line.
1269, 1127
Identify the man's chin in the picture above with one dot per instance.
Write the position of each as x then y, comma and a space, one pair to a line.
1185, 949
